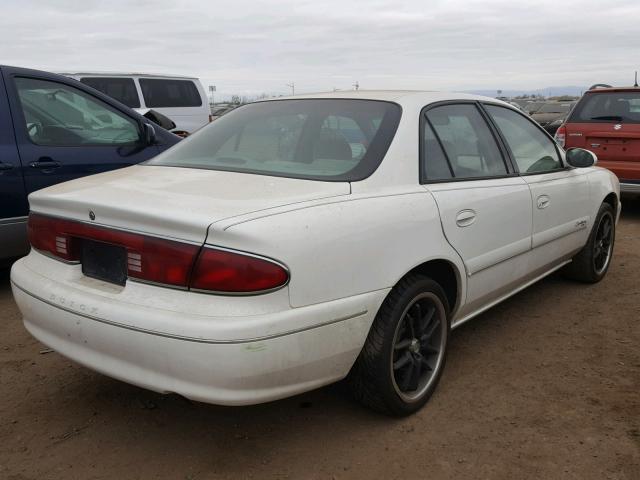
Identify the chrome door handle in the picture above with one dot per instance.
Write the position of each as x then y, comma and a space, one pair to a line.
465, 218
5, 166
543, 201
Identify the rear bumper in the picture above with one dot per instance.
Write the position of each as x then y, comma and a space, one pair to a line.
200, 361
629, 187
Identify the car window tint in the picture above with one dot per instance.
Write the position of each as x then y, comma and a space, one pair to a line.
533, 151
263, 139
58, 114
617, 107
159, 93
467, 141
434, 161
326, 139
122, 89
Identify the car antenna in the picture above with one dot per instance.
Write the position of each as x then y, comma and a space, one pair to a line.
636, 84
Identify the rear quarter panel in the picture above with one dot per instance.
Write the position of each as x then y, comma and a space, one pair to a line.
345, 248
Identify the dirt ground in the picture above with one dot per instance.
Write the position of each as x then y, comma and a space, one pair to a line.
546, 385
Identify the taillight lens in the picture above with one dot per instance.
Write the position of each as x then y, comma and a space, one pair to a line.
149, 258
162, 261
230, 272
561, 135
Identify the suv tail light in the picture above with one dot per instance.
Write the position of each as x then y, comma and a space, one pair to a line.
225, 271
161, 261
561, 135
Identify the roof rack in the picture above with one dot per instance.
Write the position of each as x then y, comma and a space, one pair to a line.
599, 85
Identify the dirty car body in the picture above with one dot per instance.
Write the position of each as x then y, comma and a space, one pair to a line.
263, 255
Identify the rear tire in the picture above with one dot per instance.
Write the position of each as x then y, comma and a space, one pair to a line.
403, 357
591, 264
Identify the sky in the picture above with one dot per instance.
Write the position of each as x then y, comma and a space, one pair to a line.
254, 47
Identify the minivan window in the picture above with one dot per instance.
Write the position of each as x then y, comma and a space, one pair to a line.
161, 93
58, 114
320, 139
121, 89
619, 107
467, 141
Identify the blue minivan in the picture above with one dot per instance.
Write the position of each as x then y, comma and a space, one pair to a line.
54, 129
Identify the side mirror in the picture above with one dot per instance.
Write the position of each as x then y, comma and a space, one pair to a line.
581, 158
148, 134
160, 119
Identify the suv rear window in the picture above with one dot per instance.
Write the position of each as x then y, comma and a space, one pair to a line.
160, 93
608, 107
317, 139
121, 89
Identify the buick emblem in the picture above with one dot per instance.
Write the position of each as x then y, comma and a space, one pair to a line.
617, 127
92, 215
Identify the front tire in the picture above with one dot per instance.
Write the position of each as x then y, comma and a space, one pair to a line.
403, 357
591, 264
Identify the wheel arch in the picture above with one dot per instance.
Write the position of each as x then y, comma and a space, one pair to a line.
612, 199
447, 275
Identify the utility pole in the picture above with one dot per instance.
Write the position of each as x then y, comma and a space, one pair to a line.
356, 85
212, 88
292, 86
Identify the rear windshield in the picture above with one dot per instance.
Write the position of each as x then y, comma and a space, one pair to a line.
122, 89
160, 93
318, 139
619, 107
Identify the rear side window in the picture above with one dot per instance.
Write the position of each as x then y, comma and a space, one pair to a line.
319, 139
533, 151
122, 89
619, 107
160, 93
467, 142
434, 160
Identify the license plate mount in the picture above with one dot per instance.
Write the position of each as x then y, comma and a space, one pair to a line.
104, 261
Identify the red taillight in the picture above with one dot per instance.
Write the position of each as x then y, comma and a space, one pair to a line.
161, 261
561, 135
149, 258
234, 272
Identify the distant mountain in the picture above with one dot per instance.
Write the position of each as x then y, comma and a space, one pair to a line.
547, 92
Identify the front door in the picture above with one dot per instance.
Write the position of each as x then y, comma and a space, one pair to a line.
63, 132
560, 195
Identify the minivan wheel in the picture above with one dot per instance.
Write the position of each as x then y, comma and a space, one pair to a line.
592, 262
404, 354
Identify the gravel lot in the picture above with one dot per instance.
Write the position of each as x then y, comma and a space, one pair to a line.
546, 385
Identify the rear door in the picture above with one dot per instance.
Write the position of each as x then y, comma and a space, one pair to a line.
64, 131
13, 199
560, 195
484, 206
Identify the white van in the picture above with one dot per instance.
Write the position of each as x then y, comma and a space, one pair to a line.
182, 99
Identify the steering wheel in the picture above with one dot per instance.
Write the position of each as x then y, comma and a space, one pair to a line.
34, 129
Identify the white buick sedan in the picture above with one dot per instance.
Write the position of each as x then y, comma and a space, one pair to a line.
299, 241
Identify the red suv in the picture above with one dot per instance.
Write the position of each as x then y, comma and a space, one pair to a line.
606, 121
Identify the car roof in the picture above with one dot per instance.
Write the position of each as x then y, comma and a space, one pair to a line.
613, 89
399, 96
126, 74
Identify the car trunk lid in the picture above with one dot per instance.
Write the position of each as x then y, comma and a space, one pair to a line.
173, 202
